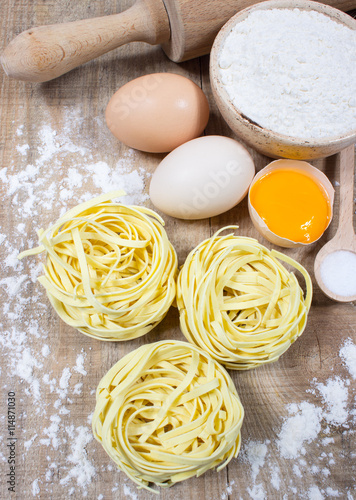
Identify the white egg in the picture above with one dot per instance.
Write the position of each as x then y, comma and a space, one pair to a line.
202, 178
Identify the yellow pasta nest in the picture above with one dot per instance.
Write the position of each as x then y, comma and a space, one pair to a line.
239, 303
166, 412
110, 270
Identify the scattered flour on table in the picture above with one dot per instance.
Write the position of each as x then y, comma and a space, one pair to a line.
77, 166
348, 356
45, 351
29, 443
69, 448
335, 396
303, 426
64, 380
296, 471
79, 367
82, 470
256, 454
35, 488
315, 494
307, 423
36, 199
228, 490
257, 492
129, 493
275, 477
24, 369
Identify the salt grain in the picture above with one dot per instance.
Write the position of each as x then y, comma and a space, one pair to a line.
338, 273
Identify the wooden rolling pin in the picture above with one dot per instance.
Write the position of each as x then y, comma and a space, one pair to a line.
184, 28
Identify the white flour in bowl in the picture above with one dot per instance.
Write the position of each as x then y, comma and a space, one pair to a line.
293, 72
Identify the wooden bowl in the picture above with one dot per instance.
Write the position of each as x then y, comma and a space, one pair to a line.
266, 141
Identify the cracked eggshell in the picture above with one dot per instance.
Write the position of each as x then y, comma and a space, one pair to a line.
305, 168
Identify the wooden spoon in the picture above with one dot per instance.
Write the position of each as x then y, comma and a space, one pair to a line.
345, 238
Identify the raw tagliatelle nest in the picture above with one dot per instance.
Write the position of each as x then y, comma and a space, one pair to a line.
110, 270
166, 412
239, 303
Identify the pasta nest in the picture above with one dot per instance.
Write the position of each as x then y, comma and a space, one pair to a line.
110, 269
239, 303
166, 412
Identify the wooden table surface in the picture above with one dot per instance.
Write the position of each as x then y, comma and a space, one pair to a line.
55, 152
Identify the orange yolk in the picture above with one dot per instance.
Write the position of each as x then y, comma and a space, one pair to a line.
292, 205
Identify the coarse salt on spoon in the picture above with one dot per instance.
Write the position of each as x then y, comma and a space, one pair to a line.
335, 264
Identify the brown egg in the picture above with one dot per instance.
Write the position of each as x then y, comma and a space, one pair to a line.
157, 112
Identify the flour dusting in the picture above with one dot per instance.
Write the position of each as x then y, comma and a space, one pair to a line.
37, 197
348, 356
306, 425
82, 471
53, 390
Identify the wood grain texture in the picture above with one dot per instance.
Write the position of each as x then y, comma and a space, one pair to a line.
345, 231
42, 53
28, 321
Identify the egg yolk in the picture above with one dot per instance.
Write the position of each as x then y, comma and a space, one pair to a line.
292, 205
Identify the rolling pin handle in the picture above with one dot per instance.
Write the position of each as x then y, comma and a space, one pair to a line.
46, 52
